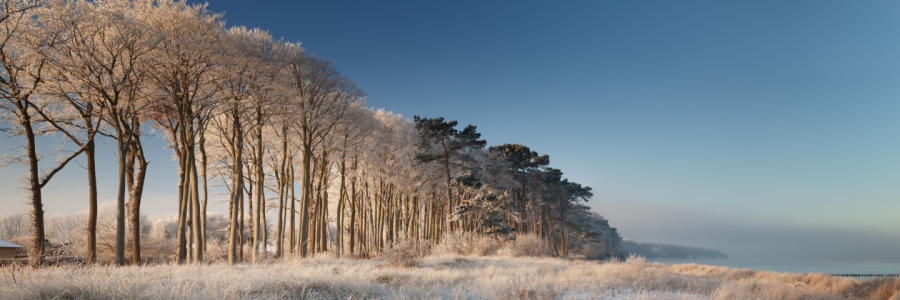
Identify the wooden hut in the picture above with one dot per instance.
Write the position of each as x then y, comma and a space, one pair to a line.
7, 249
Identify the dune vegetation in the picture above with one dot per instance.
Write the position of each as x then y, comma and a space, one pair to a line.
430, 277
461, 266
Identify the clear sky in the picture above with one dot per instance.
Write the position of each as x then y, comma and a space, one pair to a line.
766, 129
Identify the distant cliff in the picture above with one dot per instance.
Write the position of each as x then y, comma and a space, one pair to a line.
653, 250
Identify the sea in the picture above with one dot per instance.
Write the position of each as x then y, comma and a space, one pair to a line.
797, 266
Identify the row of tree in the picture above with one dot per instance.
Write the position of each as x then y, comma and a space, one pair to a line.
254, 117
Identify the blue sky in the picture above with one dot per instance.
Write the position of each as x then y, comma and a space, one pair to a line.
693, 121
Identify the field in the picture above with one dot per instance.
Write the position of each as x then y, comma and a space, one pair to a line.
432, 277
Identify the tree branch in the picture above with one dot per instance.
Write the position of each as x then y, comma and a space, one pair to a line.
47, 177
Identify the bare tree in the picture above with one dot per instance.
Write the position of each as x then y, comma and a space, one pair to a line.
323, 95
78, 119
351, 133
182, 74
25, 40
246, 79
107, 59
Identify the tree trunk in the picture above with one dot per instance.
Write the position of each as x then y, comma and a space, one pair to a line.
449, 191
237, 173
260, 235
251, 226
353, 207
182, 209
340, 212
304, 206
202, 145
137, 192
241, 244
122, 145
92, 200
282, 193
323, 215
129, 183
293, 209
195, 202
279, 228
37, 207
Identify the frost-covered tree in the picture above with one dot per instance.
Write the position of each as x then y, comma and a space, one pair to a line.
559, 198
440, 142
106, 60
247, 79
182, 74
69, 113
323, 95
523, 163
482, 206
352, 130
27, 36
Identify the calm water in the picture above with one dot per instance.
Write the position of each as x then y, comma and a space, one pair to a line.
793, 266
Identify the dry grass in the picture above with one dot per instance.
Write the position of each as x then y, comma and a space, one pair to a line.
435, 277
746, 280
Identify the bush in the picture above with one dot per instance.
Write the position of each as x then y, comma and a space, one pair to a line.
403, 254
215, 250
525, 245
469, 244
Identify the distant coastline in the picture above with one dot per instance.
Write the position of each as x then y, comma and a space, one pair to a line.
653, 250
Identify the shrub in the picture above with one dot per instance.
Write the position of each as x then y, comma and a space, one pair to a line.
403, 254
592, 250
464, 243
215, 250
525, 245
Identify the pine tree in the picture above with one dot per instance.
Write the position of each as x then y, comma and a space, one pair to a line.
523, 163
453, 145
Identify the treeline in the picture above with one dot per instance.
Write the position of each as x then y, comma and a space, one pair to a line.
66, 237
284, 134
